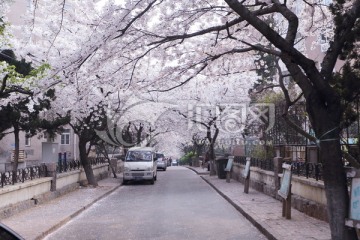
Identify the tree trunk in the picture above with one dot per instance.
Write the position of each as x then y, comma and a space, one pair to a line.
212, 160
326, 122
112, 167
336, 190
85, 162
17, 149
103, 150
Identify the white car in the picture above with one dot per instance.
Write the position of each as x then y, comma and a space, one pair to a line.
140, 164
161, 161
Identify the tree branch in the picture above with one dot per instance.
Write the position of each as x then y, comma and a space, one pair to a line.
342, 31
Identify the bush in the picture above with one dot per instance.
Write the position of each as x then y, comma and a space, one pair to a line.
262, 152
186, 159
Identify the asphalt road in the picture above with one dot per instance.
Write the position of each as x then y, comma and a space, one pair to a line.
180, 205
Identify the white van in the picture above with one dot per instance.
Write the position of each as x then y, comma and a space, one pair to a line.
140, 164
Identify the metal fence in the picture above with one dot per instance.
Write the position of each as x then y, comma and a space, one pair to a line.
30, 173
265, 164
97, 160
303, 169
67, 166
308, 170
22, 175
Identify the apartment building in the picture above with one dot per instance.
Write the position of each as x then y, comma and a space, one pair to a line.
39, 148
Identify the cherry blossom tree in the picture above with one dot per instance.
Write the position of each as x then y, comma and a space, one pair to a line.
73, 38
179, 41
223, 29
21, 104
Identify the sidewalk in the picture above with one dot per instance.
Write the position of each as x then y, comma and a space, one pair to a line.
265, 212
262, 210
37, 222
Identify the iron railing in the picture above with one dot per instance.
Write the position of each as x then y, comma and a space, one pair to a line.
303, 169
308, 170
30, 173
240, 159
97, 160
22, 175
265, 164
67, 166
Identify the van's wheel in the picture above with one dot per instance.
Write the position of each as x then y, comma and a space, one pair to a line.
155, 178
124, 182
152, 181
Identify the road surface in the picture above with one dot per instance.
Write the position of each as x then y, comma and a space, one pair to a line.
180, 205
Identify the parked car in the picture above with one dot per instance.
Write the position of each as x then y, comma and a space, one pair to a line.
8, 234
161, 161
174, 162
140, 164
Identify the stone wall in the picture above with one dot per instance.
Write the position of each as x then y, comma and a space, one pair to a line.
308, 195
21, 196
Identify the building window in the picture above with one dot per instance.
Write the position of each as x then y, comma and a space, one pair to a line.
65, 137
27, 142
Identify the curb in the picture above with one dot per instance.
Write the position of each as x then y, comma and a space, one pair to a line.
244, 213
198, 173
76, 213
